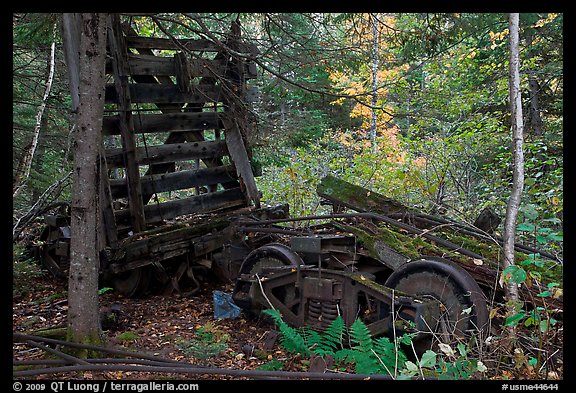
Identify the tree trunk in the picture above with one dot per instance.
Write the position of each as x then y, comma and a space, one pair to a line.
23, 171
535, 118
518, 157
534, 91
83, 311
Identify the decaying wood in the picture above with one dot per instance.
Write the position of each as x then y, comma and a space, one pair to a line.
177, 180
182, 121
195, 204
152, 93
358, 198
483, 268
169, 153
121, 86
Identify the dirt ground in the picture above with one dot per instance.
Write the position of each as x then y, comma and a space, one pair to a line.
183, 328
178, 327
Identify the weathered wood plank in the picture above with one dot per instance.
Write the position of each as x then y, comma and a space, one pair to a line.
152, 245
176, 180
154, 93
121, 88
196, 204
167, 43
357, 198
108, 224
239, 155
157, 65
190, 44
169, 153
183, 121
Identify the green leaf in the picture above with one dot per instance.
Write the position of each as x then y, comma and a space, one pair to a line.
514, 319
530, 212
104, 290
544, 294
558, 237
428, 359
461, 348
525, 227
544, 326
514, 274
411, 367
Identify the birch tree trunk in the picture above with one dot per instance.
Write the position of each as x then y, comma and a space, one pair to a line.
23, 171
83, 311
518, 158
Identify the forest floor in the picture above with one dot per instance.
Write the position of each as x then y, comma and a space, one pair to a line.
174, 327
181, 328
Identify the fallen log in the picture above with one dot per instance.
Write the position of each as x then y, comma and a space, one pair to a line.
414, 234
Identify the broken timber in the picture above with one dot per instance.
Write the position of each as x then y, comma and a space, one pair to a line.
204, 163
396, 230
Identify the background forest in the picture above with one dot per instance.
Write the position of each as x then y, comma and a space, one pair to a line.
414, 106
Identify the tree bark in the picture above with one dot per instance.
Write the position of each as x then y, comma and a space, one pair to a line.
83, 311
518, 157
534, 92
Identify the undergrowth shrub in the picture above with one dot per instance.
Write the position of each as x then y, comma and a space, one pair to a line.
365, 354
355, 348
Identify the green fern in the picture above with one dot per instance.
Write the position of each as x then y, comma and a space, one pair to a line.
291, 339
368, 356
329, 341
360, 334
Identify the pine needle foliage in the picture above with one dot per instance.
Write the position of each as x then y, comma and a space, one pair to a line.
366, 354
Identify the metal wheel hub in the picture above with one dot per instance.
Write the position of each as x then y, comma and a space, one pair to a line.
462, 306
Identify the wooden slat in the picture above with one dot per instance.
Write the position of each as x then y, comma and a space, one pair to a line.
169, 153
108, 224
237, 151
154, 93
120, 67
196, 204
190, 44
176, 180
183, 121
157, 65
166, 43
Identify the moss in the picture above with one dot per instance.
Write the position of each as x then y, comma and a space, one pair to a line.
352, 195
413, 246
493, 253
408, 245
127, 336
93, 339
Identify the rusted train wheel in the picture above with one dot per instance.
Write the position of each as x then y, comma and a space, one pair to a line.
270, 255
462, 312
132, 282
54, 252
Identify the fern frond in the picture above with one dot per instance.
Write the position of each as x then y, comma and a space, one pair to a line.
290, 339
389, 353
360, 335
346, 355
333, 335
